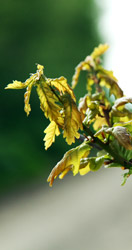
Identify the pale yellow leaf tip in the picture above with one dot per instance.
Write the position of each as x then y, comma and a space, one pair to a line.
98, 51
62, 175
15, 85
40, 67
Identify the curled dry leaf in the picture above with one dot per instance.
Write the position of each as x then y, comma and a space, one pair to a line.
123, 137
27, 94
121, 102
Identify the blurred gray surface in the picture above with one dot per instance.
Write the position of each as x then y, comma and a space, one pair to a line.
90, 212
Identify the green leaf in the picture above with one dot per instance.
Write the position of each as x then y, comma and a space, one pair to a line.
90, 116
96, 162
120, 150
113, 165
92, 164
125, 176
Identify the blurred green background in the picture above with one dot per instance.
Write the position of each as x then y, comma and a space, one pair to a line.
57, 34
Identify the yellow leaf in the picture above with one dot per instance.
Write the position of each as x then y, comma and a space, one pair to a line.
62, 86
77, 74
16, 85
90, 83
106, 72
88, 63
40, 72
51, 131
61, 176
28, 84
119, 112
70, 161
33, 79
99, 122
27, 94
48, 103
85, 170
127, 123
82, 107
108, 80
91, 164
98, 51
84, 65
72, 120
84, 166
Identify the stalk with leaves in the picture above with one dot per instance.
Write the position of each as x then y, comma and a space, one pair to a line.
102, 119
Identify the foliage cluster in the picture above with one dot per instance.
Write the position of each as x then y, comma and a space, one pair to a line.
30, 33
102, 119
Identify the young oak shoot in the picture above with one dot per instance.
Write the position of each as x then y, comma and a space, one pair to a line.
103, 116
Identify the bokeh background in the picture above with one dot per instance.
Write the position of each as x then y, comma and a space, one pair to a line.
90, 212
57, 34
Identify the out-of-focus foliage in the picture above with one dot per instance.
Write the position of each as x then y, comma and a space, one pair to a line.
57, 34
95, 116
